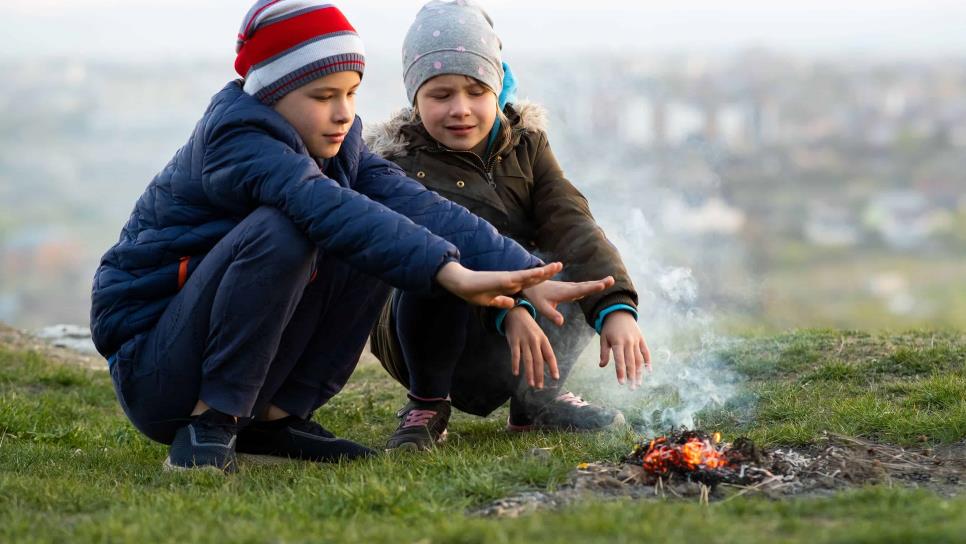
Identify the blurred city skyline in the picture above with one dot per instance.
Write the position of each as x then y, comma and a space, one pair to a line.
773, 165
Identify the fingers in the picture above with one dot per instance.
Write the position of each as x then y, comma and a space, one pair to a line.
590, 287
576, 291
527, 360
549, 311
515, 358
620, 364
638, 363
646, 352
537, 358
550, 358
502, 301
537, 275
604, 351
569, 292
554, 268
632, 360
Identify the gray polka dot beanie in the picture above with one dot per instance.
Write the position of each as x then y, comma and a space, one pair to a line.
451, 37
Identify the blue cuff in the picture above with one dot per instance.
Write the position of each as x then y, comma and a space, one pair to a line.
599, 323
502, 314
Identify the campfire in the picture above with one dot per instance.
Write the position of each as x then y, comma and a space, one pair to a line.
693, 464
694, 456
690, 453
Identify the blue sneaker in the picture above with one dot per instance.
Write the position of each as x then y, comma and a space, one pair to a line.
269, 442
208, 442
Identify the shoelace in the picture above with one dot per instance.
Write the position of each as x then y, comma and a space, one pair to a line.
214, 428
573, 400
418, 418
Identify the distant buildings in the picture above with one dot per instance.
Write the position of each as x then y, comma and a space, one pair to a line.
732, 159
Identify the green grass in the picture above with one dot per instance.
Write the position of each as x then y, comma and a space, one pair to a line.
73, 469
898, 388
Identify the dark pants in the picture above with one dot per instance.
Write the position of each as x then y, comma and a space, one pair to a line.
439, 345
250, 328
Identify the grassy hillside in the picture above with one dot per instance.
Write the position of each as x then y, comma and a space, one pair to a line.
73, 469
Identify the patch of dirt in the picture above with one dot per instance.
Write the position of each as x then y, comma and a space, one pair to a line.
835, 464
18, 340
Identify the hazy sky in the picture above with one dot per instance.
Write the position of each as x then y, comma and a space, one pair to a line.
126, 29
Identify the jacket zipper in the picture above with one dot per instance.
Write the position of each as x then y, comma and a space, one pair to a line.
487, 167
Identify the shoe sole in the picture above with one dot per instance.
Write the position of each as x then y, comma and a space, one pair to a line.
511, 428
167, 466
412, 446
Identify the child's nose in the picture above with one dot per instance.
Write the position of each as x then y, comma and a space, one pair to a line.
460, 108
342, 113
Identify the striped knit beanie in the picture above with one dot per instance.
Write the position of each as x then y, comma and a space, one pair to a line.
284, 44
451, 37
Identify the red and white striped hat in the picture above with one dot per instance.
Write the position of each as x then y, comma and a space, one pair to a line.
284, 44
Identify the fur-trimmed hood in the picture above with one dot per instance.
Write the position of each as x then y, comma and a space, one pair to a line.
395, 137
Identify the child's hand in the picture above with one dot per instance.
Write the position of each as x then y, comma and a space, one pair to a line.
491, 288
546, 296
621, 335
529, 343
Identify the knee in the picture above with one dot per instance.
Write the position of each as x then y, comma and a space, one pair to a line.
278, 237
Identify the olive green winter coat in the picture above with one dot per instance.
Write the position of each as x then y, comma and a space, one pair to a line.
521, 190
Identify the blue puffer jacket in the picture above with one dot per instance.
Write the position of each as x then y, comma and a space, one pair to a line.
243, 155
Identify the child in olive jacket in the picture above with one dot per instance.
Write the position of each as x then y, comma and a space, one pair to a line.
467, 140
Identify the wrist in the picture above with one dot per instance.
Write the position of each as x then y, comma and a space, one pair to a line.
448, 274
616, 308
502, 315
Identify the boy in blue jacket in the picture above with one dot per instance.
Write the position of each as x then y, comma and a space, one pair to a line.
245, 282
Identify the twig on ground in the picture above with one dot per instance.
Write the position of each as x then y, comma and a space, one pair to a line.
748, 488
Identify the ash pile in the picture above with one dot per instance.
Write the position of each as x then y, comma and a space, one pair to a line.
695, 465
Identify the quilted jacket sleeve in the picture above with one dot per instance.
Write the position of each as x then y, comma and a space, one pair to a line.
246, 167
481, 246
566, 229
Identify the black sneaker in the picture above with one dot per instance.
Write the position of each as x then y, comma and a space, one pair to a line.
269, 442
565, 412
208, 442
422, 425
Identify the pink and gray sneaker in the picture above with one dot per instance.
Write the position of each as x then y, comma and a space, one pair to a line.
565, 412
422, 425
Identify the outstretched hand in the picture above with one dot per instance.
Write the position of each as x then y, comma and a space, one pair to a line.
621, 335
529, 346
492, 288
546, 296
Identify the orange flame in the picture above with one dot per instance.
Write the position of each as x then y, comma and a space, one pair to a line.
694, 454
